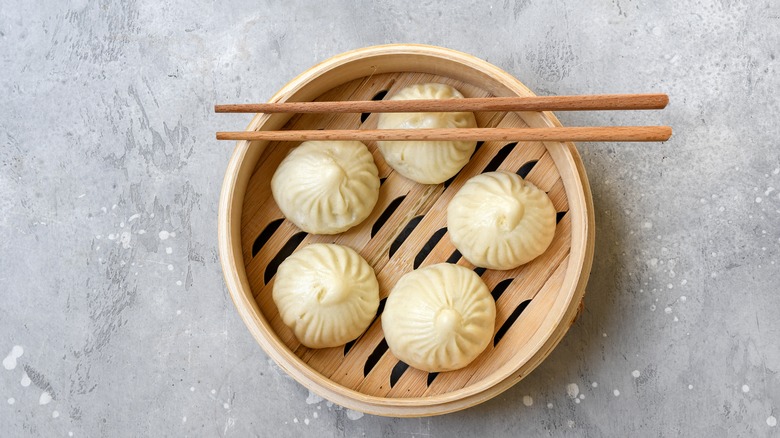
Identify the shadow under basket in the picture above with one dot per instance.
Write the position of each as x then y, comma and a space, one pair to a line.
536, 303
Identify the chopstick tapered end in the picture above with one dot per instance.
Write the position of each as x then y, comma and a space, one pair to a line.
663, 101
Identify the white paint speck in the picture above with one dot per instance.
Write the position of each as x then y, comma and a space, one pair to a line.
295, 420
690, 386
758, 199
55, 414
776, 171
213, 391
192, 388
124, 239
70, 433
11, 401
170, 267
668, 310
570, 423
9, 362
595, 384
576, 400
313, 399
133, 217
169, 250
745, 388
657, 31
683, 299
572, 390
549, 405
636, 374
648, 225
670, 286
141, 231
306, 421
315, 414
582, 396
226, 405
604, 335
81, 195
45, 398
354, 415
25, 380
164, 235
528, 400
178, 282
616, 392
178, 312
676, 319
771, 421
184, 419
121, 225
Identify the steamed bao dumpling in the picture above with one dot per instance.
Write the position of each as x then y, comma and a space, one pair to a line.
439, 318
427, 162
327, 294
326, 187
497, 220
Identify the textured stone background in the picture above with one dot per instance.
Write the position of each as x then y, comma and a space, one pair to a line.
110, 283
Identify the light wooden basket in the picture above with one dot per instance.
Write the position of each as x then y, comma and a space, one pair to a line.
535, 303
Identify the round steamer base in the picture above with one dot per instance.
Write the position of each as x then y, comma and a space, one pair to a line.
536, 303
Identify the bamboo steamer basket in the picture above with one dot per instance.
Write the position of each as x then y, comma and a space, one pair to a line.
536, 303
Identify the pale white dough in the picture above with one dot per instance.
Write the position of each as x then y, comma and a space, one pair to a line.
497, 220
439, 318
427, 162
327, 294
326, 187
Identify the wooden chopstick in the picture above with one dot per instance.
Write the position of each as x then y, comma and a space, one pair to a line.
600, 133
593, 102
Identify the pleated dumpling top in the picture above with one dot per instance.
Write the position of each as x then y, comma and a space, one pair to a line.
439, 318
327, 294
427, 162
497, 220
326, 187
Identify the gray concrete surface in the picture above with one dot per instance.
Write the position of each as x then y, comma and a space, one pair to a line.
114, 319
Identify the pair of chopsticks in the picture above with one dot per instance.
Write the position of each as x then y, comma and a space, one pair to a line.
597, 102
